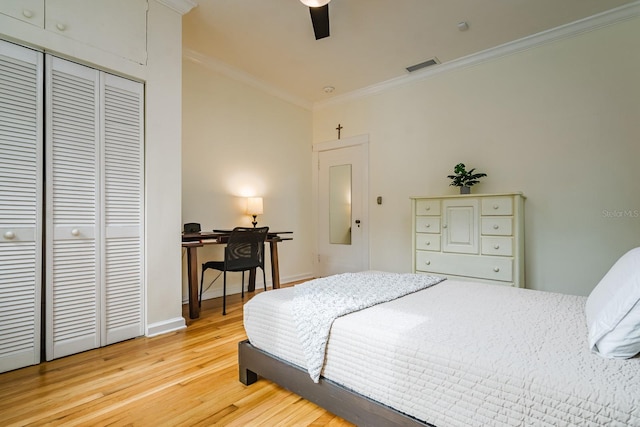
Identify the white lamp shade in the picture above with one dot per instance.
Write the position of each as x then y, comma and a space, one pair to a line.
254, 205
314, 3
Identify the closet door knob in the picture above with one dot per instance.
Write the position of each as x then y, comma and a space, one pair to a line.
9, 235
61, 26
75, 232
27, 13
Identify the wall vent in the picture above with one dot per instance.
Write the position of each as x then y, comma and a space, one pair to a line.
430, 62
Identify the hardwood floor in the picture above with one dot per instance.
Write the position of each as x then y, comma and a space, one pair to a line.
184, 378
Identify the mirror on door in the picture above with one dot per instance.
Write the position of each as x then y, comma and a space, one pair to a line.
340, 205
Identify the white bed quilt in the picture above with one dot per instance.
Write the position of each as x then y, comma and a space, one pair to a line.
466, 354
317, 303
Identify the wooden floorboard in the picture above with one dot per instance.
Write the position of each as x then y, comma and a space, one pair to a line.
184, 378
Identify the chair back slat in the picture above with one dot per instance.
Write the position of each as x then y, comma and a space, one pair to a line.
245, 248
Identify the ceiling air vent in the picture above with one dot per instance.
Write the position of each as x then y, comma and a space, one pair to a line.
429, 63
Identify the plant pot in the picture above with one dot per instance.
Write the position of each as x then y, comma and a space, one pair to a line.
465, 190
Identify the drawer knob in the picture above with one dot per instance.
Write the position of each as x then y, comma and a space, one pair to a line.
61, 26
427, 225
27, 13
428, 262
428, 243
428, 208
495, 206
496, 246
444, 226
496, 226
9, 235
496, 269
75, 232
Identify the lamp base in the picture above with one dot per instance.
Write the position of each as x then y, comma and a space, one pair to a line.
254, 222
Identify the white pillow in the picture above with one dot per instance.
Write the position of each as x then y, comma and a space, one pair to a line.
613, 310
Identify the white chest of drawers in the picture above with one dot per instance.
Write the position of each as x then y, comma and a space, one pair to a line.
480, 237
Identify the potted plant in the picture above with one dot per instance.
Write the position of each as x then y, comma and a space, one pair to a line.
464, 178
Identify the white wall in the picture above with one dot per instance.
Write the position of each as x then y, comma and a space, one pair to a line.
239, 141
163, 174
560, 122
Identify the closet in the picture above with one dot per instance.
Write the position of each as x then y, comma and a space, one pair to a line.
89, 22
21, 179
71, 207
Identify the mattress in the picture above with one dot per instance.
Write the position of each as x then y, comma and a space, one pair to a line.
465, 354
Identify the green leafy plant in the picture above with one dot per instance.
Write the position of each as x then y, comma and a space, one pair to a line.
464, 177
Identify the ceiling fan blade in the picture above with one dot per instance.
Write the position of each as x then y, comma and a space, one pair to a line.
320, 21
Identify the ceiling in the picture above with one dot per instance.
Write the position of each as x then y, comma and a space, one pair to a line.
271, 42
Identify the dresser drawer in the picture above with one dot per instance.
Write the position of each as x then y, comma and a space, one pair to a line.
428, 242
428, 224
502, 246
496, 226
497, 206
485, 267
428, 207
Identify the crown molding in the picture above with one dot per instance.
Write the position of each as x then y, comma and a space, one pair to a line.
591, 23
180, 6
244, 77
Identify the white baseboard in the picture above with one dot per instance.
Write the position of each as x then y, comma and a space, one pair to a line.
304, 276
165, 326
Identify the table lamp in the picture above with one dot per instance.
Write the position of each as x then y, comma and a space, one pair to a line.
254, 208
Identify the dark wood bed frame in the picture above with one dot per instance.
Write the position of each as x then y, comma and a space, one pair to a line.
351, 406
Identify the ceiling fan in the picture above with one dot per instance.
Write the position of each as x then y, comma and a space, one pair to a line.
319, 10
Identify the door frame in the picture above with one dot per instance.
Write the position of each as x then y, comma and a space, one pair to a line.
363, 142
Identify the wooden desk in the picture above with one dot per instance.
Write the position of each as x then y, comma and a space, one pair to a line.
192, 241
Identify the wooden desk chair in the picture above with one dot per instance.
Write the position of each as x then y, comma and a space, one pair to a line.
244, 252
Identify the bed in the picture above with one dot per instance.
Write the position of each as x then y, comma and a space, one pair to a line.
461, 353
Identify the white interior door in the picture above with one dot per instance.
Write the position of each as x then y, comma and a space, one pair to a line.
95, 208
122, 123
20, 205
343, 243
72, 216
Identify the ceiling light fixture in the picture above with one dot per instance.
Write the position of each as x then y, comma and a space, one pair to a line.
328, 89
314, 3
463, 26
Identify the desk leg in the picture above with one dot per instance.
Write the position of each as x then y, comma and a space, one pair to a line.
275, 268
192, 267
252, 280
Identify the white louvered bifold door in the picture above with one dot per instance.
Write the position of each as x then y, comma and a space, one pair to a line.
122, 178
72, 215
20, 205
